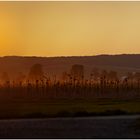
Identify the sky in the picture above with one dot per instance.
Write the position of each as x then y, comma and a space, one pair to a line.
69, 28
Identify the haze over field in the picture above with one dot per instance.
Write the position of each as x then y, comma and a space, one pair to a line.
57, 65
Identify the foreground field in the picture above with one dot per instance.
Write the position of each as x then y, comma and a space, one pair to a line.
67, 107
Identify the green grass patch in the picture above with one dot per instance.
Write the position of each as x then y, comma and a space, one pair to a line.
58, 106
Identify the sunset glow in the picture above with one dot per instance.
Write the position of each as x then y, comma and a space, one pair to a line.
69, 28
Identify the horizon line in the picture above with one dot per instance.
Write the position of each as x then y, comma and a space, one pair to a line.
70, 55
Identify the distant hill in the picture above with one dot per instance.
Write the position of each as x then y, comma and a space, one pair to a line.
56, 65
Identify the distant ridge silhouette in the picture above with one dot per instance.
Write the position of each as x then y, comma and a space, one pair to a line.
56, 65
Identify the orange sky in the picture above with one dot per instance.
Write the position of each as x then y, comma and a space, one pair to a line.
69, 28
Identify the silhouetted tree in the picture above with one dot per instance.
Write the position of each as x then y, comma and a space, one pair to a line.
104, 74
77, 72
36, 72
95, 74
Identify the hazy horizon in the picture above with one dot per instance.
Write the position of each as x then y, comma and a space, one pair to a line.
53, 29
72, 55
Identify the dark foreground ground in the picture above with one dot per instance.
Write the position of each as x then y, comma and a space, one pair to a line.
88, 127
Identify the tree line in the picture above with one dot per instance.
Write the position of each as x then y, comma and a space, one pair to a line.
101, 83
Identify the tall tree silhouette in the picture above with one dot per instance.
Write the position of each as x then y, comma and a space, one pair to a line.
77, 72
36, 72
104, 74
95, 74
